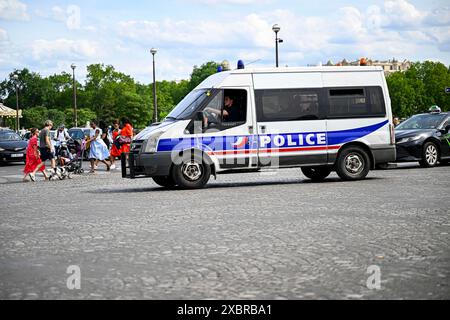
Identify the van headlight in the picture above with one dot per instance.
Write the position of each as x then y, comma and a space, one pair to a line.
1, 149
152, 142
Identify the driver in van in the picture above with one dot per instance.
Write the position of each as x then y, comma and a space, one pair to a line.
230, 112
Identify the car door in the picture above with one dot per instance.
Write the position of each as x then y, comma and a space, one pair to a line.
232, 143
291, 128
445, 141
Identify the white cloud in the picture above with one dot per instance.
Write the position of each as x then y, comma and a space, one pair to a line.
59, 14
398, 14
3, 35
13, 10
439, 17
232, 2
393, 28
64, 49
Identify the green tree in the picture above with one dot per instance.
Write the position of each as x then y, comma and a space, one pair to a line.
34, 117
201, 73
84, 115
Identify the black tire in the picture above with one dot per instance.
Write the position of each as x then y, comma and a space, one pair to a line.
430, 155
166, 182
191, 172
353, 163
316, 173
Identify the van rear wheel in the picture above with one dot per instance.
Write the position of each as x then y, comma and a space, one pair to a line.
166, 182
353, 164
316, 173
192, 173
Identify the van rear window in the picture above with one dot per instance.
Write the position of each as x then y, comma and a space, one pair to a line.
356, 102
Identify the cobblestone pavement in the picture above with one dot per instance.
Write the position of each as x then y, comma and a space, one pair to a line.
249, 236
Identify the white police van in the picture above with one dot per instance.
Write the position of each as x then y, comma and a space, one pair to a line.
321, 119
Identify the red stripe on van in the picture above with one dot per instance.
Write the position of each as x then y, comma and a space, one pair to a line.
282, 150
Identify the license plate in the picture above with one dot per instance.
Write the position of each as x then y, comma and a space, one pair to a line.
17, 155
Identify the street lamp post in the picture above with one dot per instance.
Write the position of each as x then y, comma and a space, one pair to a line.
276, 28
75, 116
155, 106
16, 82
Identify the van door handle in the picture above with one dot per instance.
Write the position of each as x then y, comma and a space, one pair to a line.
250, 129
263, 129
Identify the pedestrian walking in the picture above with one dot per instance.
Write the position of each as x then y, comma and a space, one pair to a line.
104, 136
116, 146
98, 151
46, 147
126, 135
34, 162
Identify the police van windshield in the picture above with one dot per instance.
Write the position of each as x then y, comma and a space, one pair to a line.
423, 121
189, 105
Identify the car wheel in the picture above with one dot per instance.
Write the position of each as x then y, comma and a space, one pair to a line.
166, 182
192, 172
430, 155
353, 164
316, 173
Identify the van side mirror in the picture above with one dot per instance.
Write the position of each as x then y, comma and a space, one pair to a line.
447, 129
198, 123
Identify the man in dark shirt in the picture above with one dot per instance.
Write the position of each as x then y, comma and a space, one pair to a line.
46, 147
231, 113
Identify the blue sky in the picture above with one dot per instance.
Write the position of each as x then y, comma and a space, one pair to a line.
47, 36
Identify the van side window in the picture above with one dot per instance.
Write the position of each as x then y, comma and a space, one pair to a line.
287, 105
356, 102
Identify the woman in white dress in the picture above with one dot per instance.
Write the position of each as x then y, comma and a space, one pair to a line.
98, 149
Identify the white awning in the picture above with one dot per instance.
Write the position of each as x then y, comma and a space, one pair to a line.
8, 112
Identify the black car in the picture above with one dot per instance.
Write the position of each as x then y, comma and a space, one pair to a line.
12, 147
424, 138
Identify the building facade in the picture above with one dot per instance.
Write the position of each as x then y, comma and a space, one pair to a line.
389, 66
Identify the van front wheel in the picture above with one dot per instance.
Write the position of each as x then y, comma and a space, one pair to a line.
316, 173
191, 173
353, 164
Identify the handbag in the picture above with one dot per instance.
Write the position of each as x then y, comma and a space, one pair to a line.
124, 140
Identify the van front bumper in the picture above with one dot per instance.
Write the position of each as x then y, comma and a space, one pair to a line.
142, 165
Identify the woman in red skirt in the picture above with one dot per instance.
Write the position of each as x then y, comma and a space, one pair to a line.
115, 149
34, 162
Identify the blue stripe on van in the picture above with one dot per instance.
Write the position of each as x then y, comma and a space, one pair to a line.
286, 140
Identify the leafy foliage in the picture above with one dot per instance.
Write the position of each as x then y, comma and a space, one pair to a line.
415, 90
108, 94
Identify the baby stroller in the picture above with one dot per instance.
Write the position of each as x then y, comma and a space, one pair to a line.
70, 158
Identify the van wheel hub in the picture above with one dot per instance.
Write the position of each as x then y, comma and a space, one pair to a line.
354, 163
192, 171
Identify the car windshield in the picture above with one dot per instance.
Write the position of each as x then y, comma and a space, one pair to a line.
422, 121
187, 106
9, 136
76, 134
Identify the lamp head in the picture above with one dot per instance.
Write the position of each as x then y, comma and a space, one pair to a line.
276, 28
73, 66
153, 51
